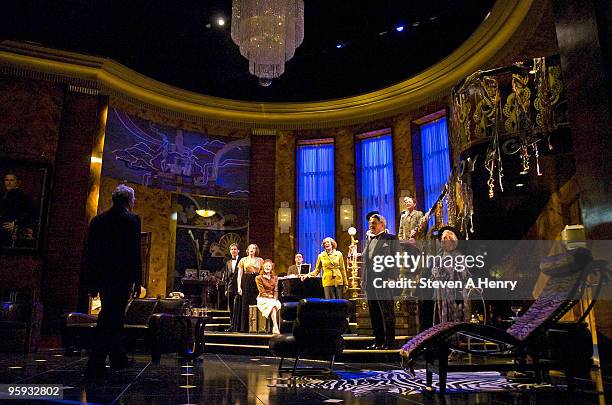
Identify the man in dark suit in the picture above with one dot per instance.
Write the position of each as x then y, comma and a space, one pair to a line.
294, 269
230, 276
114, 270
380, 300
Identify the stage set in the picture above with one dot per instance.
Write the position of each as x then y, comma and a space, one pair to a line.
417, 203
357, 338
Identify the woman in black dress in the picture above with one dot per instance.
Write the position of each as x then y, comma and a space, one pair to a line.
248, 268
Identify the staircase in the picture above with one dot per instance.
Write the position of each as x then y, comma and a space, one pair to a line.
256, 344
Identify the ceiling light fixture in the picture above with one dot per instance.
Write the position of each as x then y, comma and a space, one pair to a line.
206, 211
267, 32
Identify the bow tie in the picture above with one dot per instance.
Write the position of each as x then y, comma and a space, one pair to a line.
376, 237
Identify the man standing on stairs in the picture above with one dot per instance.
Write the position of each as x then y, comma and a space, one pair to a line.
230, 276
380, 245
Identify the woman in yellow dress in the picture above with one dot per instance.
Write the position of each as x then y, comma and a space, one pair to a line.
331, 261
248, 268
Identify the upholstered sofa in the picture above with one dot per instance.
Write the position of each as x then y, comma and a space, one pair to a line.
20, 322
155, 326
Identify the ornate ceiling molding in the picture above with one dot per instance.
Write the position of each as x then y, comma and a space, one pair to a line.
111, 78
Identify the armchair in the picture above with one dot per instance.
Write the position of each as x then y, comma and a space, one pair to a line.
20, 325
316, 326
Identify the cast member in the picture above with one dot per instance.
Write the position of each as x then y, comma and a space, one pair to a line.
230, 277
294, 269
267, 300
114, 271
248, 268
411, 222
331, 262
369, 234
380, 300
449, 304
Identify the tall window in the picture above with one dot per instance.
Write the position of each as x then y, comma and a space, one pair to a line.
436, 161
315, 198
375, 187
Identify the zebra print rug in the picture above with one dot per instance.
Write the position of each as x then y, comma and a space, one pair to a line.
400, 382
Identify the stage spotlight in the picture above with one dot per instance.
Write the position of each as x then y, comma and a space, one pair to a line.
220, 22
399, 28
339, 45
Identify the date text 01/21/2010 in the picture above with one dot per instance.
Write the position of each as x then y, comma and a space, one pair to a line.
31, 391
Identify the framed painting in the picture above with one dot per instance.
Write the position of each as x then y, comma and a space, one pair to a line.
24, 199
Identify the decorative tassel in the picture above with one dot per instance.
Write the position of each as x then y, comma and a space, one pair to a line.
525, 159
550, 147
537, 156
472, 221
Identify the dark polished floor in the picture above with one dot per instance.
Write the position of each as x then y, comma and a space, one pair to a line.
230, 379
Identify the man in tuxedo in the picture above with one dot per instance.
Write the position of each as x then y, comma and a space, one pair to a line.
380, 300
114, 270
230, 276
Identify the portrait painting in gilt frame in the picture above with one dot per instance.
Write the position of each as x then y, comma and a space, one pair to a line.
24, 194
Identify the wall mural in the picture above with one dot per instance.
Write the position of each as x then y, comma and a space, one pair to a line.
202, 244
143, 152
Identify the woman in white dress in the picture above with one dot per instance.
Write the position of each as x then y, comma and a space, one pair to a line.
267, 300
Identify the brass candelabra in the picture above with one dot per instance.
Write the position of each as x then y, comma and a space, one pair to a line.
352, 266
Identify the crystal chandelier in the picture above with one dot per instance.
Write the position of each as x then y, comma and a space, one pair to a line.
267, 32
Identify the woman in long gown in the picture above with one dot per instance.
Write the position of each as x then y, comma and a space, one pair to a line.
449, 304
248, 268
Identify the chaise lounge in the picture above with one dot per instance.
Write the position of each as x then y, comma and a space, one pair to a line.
525, 341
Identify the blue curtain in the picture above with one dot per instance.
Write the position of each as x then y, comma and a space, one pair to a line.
315, 198
436, 162
375, 187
